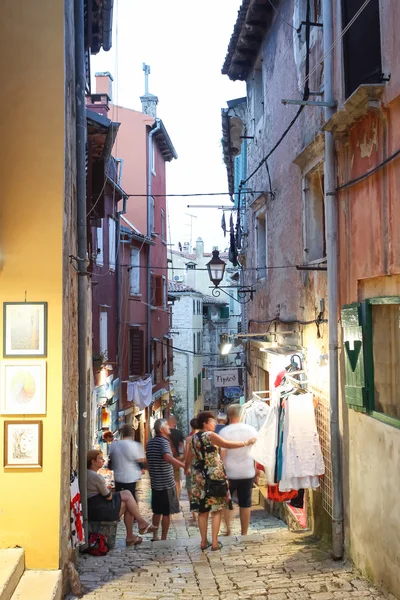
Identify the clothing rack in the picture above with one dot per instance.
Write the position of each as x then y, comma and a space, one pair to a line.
256, 396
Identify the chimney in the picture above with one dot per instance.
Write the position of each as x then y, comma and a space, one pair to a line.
104, 84
149, 101
199, 249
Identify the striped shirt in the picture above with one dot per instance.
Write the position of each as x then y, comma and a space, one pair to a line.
161, 472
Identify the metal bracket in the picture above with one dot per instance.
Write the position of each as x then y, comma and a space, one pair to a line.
310, 103
241, 291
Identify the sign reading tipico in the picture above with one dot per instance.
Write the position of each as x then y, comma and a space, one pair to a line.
226, 378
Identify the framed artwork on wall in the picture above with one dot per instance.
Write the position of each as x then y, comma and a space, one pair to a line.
23, 444
23, 387
25, 329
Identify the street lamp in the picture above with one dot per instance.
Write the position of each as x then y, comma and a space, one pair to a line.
216, 271
238, 360
216, 268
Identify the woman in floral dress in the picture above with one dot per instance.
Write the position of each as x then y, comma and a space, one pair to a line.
203, 459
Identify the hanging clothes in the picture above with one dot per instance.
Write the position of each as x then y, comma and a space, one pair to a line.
77, 530
223, 223
254, 413
264, 450
302, 460
130, 391
143, 392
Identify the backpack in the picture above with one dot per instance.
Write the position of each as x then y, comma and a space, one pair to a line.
97, 544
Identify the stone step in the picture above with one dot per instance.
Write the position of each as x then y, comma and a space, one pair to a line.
12, 565
39, 585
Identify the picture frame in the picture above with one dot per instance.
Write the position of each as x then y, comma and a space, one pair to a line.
23, 444
25, 329
23, 387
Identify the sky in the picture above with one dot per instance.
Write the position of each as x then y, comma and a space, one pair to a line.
185, 43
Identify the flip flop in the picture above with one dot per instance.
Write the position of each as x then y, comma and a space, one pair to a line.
206, 546
149, 529
217, 548
135, 542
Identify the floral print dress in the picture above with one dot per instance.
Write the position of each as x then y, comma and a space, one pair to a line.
211, 463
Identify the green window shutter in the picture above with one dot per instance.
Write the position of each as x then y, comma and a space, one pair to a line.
195, 389
224, 312
353, 346
199, 383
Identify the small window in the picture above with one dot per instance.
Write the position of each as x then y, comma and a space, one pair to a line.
136, 352
194, 307
224, 312
198, 342
386, 358
111, 243
199, 384
314, 191
134, 273
195, 388
99, 245
194, 343
191, 266
262, 245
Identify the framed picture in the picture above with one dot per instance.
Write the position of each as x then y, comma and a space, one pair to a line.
23, 444
25, 329
23, 387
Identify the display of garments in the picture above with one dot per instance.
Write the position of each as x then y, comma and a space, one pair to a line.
254, 413
130, 391
264, 450
77, 530
276, 496
302, 460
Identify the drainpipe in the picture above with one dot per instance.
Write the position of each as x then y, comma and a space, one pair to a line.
80, 83
149, 227
331, 227
119, 296
187, 383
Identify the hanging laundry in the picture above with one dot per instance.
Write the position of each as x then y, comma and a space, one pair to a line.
143, 392
254, 413
77, 530
302, 460
223, 223
130, 391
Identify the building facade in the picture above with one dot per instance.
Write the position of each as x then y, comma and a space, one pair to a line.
319, 196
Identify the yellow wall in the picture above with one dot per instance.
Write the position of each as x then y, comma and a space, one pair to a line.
31, 220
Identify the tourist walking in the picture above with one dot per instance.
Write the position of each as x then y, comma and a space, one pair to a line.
177, 446
105, 506
127, 459
161, 463
210, 492
222, 419
239, 466
193, 430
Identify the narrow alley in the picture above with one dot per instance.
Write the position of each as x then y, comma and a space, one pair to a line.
270, 563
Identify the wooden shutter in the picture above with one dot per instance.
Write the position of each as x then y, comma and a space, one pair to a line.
170, 359
136, 366
199, 383
159, 291
353, 346
224, 312
152, 290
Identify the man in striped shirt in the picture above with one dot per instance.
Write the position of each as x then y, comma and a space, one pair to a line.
161, 463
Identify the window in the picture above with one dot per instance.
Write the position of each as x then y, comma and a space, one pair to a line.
194, 307
99, 245
103, 332
134, 273
258, 92
156, 290
371, 341
163, 227
111, 243
191, 266
198, 342
224, 312
262, 245
136, 352
164, 291
199, 384
195, 388
165, 358
194, 343
314, 207
170, 358
362, 62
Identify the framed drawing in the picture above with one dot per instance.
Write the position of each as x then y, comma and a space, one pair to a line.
23, 444
25, 329
23, 387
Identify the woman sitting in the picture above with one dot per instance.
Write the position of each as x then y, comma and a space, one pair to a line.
105, 506
207, 467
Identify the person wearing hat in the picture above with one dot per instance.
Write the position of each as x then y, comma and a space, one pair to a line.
221, 422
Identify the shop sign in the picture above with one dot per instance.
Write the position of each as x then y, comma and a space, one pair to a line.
233, 392
226, 378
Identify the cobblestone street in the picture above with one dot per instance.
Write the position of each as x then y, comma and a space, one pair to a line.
270, 563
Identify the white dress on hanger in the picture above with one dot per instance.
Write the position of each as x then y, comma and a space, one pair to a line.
302, 456
264, 450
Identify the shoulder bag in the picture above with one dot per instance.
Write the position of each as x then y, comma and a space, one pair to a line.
215, 488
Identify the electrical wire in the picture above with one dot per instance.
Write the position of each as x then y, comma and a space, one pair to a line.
190, 195
368, 173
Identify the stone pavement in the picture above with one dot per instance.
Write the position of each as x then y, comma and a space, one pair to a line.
270, 563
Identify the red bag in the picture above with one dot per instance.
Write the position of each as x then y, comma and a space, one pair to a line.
97, 544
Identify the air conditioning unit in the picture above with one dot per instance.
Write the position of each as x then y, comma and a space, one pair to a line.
178, 278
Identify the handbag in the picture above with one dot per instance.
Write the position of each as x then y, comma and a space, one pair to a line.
215, 488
